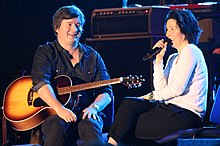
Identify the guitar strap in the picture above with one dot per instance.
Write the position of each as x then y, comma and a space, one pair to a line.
4, 130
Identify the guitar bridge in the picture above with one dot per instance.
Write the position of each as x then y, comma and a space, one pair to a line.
30, 97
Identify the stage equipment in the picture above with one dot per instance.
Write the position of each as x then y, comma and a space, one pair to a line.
113, 22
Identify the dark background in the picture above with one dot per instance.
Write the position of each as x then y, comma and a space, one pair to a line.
24, 24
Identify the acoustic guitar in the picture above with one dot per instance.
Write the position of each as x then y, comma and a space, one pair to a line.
25, 110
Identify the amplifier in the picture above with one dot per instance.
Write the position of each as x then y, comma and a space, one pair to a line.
201, 10
111, 22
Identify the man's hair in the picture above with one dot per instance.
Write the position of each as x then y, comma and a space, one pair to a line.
67, 12
187, 23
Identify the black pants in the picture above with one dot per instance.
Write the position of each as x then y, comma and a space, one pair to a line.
150, 120
59, 133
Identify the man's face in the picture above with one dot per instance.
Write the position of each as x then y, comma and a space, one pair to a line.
69, 31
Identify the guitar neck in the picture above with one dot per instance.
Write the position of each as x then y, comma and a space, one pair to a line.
86, 86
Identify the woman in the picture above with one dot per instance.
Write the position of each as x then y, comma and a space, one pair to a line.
179, 99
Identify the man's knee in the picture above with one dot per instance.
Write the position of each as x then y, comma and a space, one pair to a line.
55, 125
87, 124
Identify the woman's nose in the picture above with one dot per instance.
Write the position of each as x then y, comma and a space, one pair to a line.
167, 34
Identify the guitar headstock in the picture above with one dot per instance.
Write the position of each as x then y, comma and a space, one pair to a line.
133, 81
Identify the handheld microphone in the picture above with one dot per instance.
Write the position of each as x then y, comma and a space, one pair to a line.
155, 51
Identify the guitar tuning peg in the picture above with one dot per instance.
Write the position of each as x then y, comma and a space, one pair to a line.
129, 77
139, 85
142, 79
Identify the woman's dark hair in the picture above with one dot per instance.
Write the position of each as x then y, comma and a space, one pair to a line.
188, 24
67, 12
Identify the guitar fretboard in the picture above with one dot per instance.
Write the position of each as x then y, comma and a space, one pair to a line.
86, 86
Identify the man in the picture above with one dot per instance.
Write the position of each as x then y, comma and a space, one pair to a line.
79, 63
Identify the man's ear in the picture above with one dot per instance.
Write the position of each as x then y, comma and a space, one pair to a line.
56, 30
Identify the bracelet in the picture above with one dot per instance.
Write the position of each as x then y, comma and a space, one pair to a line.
151, 96
96, 107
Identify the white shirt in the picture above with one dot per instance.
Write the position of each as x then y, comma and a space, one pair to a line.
183, 83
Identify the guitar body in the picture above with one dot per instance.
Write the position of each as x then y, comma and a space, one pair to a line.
19, 105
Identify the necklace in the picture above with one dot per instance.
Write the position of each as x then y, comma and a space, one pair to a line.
71, 54
73, 51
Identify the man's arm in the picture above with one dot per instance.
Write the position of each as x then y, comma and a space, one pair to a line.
102, 100
47, 95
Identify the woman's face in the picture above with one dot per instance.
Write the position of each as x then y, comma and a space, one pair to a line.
173, 32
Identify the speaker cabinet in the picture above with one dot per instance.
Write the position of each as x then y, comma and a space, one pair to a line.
211, 30
123, 57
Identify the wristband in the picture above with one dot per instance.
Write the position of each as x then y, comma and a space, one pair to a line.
96, 107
